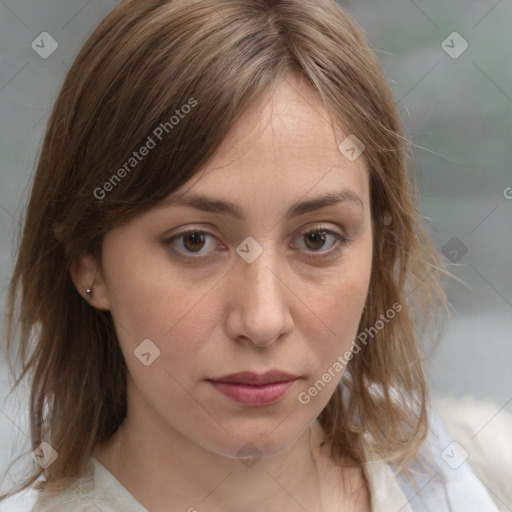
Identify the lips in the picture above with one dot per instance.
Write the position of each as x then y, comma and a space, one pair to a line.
254, 379
254, 390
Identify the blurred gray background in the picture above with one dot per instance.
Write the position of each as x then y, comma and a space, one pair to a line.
450, 70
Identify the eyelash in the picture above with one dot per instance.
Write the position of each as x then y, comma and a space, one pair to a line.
340, 243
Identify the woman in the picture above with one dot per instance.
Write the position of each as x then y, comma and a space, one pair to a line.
227, 272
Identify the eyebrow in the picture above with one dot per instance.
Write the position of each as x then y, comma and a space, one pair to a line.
214, 205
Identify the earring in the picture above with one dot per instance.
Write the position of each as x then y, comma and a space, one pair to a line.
89, 292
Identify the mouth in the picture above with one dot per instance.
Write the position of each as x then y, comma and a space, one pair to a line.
254, 390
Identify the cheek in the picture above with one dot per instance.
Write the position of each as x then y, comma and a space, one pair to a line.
340, 315
151, 301
339, 303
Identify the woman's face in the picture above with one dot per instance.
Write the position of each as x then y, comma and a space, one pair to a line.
278, 287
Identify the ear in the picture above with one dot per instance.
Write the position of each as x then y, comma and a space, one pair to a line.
87, 274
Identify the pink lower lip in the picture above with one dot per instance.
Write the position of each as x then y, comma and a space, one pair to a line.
253, 396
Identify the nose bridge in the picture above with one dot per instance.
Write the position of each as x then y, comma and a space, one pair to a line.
260, 300
261, 277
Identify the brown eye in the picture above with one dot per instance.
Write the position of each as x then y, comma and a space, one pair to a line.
194, 241
317, 239
196, 245
192, 245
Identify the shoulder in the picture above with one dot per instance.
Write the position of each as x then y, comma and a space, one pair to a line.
83, 495
65, 500
96, 490
481, 431
457, 470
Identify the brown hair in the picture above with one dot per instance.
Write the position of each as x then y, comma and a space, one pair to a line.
143, 62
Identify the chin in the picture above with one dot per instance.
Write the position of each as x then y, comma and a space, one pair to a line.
267, 437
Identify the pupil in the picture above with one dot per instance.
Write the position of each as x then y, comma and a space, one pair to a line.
197, 241
318, 236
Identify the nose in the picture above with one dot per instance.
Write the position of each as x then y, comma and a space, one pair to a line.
259, 306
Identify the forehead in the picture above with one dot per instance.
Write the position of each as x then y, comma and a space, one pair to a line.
284, 144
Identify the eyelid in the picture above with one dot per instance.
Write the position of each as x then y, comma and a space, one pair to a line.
168, 240
342, 241
319, 227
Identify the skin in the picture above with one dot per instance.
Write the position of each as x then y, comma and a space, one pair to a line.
289, 310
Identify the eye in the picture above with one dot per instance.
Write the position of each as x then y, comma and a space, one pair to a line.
195, 244
319, 237
192, 241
